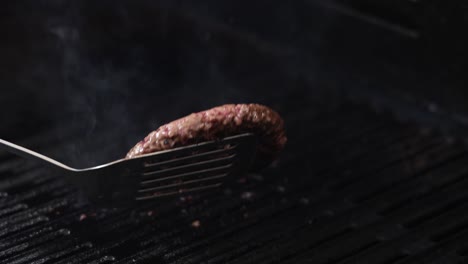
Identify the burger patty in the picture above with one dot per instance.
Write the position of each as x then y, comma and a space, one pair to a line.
219, 122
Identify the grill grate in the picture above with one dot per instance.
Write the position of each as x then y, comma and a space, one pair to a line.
363, 189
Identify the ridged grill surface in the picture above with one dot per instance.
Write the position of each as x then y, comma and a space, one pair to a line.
357, 187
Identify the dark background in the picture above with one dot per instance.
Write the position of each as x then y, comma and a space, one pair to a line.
122, 68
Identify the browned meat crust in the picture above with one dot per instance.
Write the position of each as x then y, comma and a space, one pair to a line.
216, 123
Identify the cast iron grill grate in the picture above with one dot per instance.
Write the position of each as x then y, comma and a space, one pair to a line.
363, 189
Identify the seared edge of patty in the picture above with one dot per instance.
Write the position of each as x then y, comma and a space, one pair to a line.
219, 122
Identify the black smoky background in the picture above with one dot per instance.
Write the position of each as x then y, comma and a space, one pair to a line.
106, 73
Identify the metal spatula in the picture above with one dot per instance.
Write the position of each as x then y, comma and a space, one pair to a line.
180, 170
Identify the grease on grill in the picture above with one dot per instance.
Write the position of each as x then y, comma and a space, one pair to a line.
196, 224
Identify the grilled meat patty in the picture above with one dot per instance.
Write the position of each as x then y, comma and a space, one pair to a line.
219, 122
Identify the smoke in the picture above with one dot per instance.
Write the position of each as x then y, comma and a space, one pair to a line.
115, 70
95, 92
128, 68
